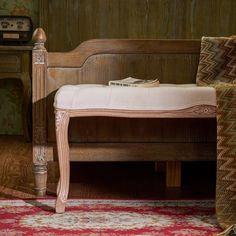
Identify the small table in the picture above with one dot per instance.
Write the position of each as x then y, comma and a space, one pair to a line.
15, 63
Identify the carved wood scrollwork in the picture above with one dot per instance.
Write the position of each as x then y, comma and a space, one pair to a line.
39, 38
38, 57
61, 116
39, 144
204, 110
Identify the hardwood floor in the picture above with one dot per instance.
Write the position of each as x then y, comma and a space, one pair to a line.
16, 178
101, 180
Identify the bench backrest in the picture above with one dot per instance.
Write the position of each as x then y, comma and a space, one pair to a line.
98, 61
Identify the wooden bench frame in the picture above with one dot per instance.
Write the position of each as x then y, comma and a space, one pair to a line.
42, 60
62, 118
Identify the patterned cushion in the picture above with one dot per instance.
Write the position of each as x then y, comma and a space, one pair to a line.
217, 61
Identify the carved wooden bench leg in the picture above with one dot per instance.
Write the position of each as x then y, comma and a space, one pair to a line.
62, 121
173, 174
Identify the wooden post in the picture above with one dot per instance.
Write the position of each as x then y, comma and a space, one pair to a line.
173, 174
39, 63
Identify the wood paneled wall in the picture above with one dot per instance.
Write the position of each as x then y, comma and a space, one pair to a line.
69, 22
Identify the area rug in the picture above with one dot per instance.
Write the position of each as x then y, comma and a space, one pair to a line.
108, 217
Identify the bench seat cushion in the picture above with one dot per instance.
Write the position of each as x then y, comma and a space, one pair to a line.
165, 97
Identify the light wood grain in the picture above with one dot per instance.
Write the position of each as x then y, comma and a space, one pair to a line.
62, 122
62, 117
39, 64
122, 46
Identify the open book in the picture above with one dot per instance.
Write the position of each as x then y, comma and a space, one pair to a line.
133, 82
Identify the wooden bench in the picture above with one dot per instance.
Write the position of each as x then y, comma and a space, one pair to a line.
97, 62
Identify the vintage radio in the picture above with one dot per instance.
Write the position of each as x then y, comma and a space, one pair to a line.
15, 29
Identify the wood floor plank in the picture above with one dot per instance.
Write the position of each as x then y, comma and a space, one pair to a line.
100, 180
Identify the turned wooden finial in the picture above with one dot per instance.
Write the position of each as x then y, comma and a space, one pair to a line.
39, 37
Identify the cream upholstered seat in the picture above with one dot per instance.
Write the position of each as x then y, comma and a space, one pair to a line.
166, 97
168, 100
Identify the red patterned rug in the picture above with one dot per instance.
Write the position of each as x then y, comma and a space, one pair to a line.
109, 217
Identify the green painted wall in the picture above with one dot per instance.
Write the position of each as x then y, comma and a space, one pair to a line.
20, 7
11, 90
10, 107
